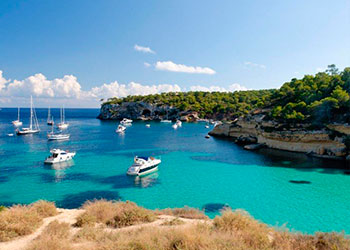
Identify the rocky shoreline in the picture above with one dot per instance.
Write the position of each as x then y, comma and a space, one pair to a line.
144, 111
253, 132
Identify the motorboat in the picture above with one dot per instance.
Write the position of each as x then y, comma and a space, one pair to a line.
58, 155
10, 134
33, 124
148, 125
207, 126
49, 118
120, 129
174, 126
178, 123
17, 123
143, 165
126, 121
62, 125
207, 136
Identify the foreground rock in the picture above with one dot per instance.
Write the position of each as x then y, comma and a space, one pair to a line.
329, 142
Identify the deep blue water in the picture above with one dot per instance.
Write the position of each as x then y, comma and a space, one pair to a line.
273, 186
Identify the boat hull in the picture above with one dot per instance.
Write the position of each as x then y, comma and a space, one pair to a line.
143, 171
27, 132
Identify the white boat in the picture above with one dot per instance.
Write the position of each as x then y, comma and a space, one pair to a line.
166, 121
178, 123
143, 165
148, 125
17, 122
126, 121
10, 134
174, 126
57, 137
33, 124
58, 155
49, 118
62, 124
120, 129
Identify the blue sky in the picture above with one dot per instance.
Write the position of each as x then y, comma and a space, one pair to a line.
245, 44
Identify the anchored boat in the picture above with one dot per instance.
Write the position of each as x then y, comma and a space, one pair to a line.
17, 123
143, 165
58, 155
33, 124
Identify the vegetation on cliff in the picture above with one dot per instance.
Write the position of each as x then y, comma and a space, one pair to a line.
318, 99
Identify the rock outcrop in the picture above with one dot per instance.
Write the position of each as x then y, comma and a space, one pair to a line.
144, 111
253, 129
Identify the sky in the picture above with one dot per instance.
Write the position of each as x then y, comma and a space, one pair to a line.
76, 52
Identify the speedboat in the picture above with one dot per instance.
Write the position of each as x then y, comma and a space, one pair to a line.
207, 126
126, 121
17, 123
148, 125
143, 165
58, 155
57, 137
174, 126
120, 129
178, 123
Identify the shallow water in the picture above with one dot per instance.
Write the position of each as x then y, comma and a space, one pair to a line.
273, 186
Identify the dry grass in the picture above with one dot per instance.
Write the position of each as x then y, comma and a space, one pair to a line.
21, 220
114, 214
185, 212
173, 222
55, 237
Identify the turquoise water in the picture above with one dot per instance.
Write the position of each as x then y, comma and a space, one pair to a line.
275, 187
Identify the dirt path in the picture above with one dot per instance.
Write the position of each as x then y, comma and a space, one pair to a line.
65, 215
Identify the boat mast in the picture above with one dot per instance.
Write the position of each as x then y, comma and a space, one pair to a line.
31, 112
48, 115
18, 115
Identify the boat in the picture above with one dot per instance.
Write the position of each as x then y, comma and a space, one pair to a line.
33, 124
148, 125
62, 124
58, 155
120, 129
126, 121
207, 136
10, 134
178, 123
17, 122
174, 126
57, 137
207, 125
166, 121
49, 118
143, 165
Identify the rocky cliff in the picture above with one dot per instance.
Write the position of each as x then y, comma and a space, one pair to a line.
144, 111
330, 142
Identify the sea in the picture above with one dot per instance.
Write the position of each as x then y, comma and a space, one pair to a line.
283, 189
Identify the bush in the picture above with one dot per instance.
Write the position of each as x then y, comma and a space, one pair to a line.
185, 212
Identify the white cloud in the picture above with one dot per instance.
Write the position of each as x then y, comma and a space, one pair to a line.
256, 65
146, 64
231, 88
67, 90
143, 49
170, 66
320, 70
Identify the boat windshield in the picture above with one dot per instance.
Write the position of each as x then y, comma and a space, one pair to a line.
54, 155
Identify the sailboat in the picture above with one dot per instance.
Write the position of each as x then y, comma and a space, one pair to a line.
33, 125
17, 122
62, 124
59, 136
49, 118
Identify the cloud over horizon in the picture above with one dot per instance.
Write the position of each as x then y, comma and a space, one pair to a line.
67, 90
143, 49
173, 67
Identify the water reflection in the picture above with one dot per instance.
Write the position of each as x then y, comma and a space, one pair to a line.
60, 169
147, 180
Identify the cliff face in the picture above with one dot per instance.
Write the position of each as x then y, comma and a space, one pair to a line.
253, 129
143, 111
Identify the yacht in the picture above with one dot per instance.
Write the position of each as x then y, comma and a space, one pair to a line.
126, 121
120, 129
57, 137
62, 124
175, 126
58, 155
33, 124
17, 123
143, 165
178, 123
49, 118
